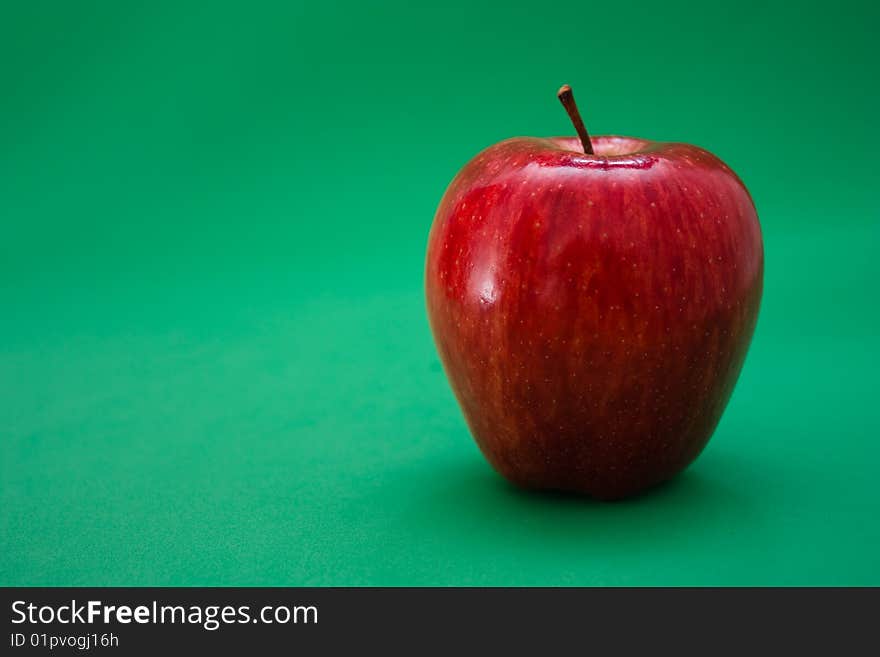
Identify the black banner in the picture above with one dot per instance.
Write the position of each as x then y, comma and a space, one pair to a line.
131, 621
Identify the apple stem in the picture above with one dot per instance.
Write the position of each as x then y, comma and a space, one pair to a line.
566, 97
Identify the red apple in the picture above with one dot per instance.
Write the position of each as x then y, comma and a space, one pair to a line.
592, 302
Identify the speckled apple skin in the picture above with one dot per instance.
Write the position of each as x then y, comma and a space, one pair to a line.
593, 312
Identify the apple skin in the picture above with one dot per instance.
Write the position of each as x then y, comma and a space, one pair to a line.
592, 312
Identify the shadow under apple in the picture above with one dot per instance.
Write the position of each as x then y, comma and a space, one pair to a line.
465, 502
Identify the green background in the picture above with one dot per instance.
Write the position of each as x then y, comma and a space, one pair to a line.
215, 365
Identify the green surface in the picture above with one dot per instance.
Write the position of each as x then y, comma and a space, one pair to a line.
215, 366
